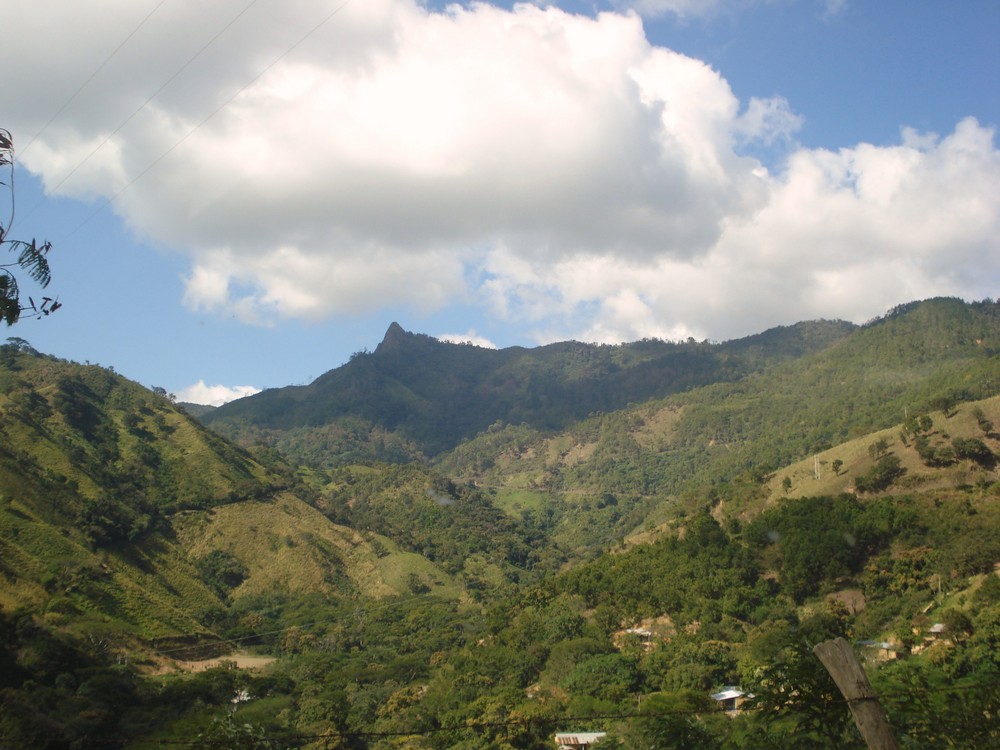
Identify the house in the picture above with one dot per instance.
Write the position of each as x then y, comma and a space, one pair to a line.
647, 633
644, 635
934, 634
882, 650
577, 740
730, 699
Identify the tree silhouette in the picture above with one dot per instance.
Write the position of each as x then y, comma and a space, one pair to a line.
31, 256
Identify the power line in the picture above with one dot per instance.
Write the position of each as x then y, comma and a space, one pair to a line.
536, 720
156, 93
127, 120
303, 626
216, 111
93, 75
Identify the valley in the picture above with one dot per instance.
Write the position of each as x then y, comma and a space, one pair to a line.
444, 546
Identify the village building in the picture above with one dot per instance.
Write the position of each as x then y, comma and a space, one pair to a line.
730, 699
882, 650
578, 740
934, 634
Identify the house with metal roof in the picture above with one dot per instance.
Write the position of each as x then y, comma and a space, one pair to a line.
577, 740
730, 698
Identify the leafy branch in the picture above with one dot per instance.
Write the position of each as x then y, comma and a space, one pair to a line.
32, 257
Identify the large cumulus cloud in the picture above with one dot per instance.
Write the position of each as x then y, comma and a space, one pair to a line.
557, 168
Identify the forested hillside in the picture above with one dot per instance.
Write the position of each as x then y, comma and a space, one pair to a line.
611, 472
586, 569
417, 395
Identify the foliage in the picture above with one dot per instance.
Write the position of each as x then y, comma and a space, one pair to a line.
713, 439
787, 680
973, 449
927, 707
95, 471
407, 608
221, 570
32, 257
668, 720
820, 540
455, 526
57, 693
434, 395
226, 733
703, 577
885, 471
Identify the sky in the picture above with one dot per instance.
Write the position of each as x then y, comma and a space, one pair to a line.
241, 194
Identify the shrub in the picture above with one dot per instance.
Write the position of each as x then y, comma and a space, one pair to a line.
879, 476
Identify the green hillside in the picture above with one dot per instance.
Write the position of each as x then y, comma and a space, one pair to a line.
611, 472
120, 513
566, 568
417, 395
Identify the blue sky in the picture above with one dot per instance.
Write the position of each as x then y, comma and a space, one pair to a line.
242, 194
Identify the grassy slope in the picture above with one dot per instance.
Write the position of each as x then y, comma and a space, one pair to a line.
961, 478
289, 546
646, 456
918, 476
110, 496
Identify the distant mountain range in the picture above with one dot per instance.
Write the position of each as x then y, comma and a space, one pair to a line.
415, 396
433, 395
425, 532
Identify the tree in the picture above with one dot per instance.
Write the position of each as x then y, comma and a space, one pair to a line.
879, 476
31, 256
984, 424
790, 686
878, 449
974, 450
946, 402
226, 733
668, 720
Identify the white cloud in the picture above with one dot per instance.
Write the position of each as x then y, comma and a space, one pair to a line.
682, 9
768, 121
214, 395
687, 10
343, 176
470, 337
846, 234
558, 169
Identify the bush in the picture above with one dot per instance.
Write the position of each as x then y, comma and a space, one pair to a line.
879, 476
221, 571
973, 449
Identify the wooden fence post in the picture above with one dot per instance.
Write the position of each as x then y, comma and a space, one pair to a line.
842, 663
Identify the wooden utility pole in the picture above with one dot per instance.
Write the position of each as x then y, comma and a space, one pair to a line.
842, 663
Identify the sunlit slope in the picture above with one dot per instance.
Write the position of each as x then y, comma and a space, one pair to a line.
120, 513
608, 473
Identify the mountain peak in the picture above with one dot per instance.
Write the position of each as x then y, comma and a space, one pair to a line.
394, 337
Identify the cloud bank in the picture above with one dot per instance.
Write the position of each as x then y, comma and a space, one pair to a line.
470, 337
558, 170
214, 395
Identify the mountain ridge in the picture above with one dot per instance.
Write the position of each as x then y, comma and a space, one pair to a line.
517, 574
436, 394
